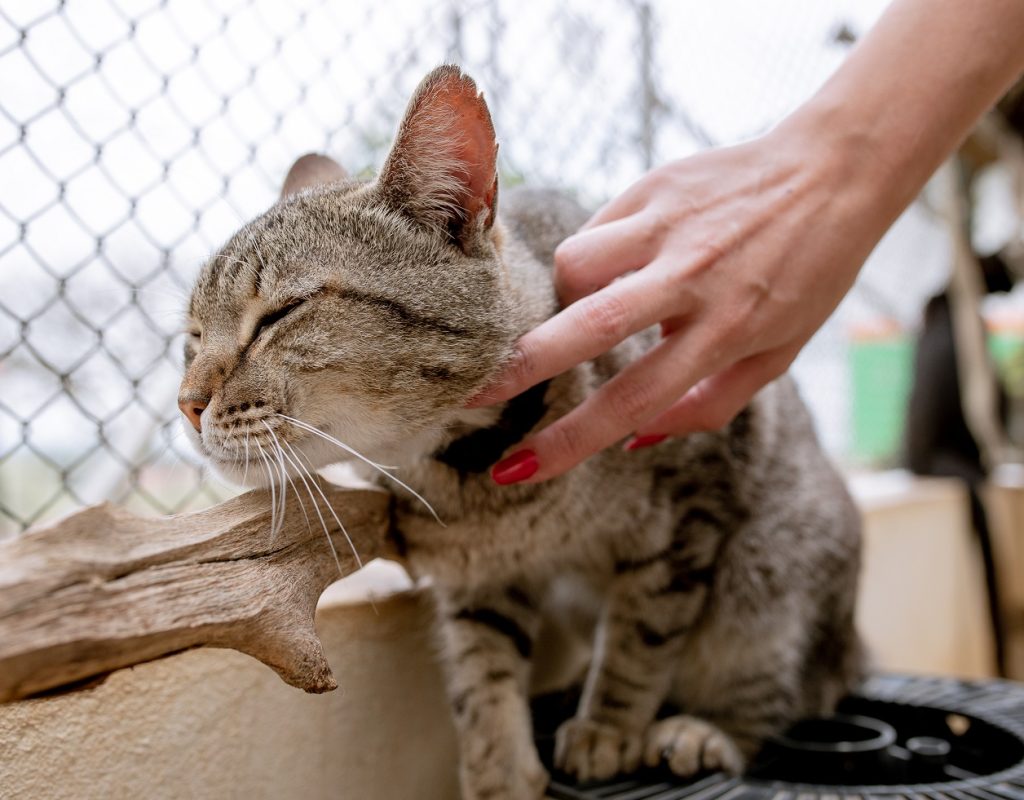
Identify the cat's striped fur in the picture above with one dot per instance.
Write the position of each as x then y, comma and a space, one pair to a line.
717, 571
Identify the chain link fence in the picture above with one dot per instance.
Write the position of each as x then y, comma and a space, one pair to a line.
135, 135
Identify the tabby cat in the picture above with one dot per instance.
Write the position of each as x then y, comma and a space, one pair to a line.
715, 571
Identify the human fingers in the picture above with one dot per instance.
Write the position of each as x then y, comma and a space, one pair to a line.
715, 401
591, 259
641, 391
583, 331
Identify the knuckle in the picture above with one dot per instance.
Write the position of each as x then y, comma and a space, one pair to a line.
567, 257
680, 286
707, 415
570, 267
655, 226
521, 364
568, 439
605, 319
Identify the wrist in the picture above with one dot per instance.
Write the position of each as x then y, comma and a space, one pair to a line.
892, 113
847, 154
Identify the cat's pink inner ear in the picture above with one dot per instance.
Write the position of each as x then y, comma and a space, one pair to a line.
446, 151
310, 170
475, 146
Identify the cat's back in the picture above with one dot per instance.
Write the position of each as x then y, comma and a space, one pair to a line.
540, 218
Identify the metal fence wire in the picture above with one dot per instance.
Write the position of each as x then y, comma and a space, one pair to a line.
135, 135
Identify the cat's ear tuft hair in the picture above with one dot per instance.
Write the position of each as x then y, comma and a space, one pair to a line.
442, 169
311, 170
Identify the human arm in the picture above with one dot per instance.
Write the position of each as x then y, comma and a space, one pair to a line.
742, 253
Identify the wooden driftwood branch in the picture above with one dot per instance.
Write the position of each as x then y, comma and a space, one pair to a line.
105, 589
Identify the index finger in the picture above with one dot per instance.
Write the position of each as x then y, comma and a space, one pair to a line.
585, 330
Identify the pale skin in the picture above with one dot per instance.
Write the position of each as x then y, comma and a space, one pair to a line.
742, 253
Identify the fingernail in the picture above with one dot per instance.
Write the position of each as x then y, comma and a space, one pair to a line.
640, 442
517, 467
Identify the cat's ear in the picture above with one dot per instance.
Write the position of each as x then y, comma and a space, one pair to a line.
311, 169
442, 169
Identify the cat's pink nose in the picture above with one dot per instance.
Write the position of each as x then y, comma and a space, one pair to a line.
193, 410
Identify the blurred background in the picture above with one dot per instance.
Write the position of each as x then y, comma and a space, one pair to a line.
136, 135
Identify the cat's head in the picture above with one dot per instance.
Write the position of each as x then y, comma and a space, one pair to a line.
371, 311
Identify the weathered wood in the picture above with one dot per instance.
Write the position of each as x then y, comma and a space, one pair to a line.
105, 589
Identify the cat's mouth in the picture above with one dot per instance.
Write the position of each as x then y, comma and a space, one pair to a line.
274, 449
277, 458
258, 452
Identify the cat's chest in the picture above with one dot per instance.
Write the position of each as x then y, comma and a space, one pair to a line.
551, 534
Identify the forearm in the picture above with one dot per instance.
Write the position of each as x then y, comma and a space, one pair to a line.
911, 91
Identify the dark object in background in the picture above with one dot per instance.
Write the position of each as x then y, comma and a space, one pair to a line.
938, 441
898, 737
1011, 108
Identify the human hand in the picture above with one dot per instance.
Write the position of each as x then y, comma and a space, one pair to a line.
740, 254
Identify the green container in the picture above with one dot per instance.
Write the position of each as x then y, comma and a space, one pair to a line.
881, 373
1007, 350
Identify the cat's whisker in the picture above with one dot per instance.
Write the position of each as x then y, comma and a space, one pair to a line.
276, 460
316, 508
316, 485
281, 456
338, 443
245, 473
275, 468
273, 499
273, 492
330, 439
316, 431
299, 467
236, 460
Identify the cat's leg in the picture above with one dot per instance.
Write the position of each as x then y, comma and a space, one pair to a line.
488, 639
758, 653
653, 603
689, 745
752, 702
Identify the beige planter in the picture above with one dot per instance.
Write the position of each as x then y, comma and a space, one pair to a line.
923, 607
1004, 500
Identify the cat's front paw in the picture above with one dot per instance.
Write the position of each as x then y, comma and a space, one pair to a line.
499, 774
596, 751
690, 745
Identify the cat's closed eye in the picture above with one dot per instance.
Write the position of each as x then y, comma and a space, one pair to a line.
269, 320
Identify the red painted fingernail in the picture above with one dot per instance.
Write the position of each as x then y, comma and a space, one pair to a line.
639, 442
517, 467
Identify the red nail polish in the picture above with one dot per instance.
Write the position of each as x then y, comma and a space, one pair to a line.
517, 467
639, 442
